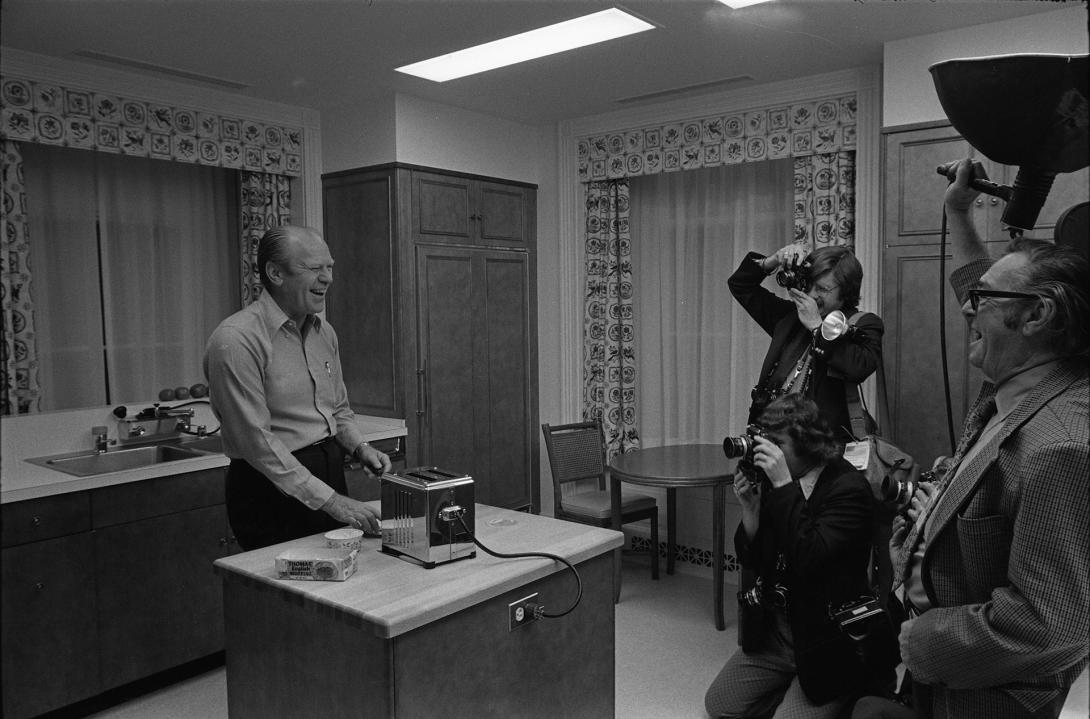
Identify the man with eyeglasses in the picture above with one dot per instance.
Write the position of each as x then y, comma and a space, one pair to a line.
995, 558
800, 358
274, 375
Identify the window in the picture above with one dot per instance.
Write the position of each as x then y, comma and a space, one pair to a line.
133, 263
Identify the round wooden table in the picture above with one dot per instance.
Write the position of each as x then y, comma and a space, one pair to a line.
678, 466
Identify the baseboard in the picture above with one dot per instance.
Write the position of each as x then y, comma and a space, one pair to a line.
687, 559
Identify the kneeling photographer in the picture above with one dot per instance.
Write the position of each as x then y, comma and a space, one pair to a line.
801, 359
805, 542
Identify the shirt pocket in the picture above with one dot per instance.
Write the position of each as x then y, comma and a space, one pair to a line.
985, 552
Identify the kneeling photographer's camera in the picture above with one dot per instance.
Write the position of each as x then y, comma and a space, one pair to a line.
795, 274
743, 446
756, 596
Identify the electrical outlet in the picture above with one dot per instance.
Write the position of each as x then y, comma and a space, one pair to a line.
521, 612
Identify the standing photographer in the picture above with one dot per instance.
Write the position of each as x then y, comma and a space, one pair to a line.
806, 536
995, 566
800, 359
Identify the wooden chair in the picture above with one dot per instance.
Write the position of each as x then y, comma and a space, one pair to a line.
580, 483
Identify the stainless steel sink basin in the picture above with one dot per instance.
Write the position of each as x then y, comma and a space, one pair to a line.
210, 443
87, 464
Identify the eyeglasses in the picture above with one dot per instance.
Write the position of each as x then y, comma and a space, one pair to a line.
976, 294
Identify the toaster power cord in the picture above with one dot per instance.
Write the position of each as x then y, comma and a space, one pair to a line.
519, 555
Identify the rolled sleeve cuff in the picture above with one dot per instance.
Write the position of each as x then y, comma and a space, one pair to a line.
314, 492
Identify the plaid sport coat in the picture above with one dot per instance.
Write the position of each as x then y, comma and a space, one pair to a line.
1007, 563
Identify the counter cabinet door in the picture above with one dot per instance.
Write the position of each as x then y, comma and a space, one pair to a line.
50, 629
159, 598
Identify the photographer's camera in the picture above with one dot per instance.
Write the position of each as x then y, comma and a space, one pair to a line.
795, 274
743, 445
755, 596
899, 492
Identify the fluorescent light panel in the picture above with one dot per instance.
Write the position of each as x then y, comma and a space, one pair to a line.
549, 40
742, 3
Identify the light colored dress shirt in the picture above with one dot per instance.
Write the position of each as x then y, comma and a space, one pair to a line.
809, 480
277, 388
1007, 397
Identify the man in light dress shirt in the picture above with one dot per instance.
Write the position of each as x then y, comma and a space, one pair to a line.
274, 376
998, 587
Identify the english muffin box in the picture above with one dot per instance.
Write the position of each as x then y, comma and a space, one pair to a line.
319, 564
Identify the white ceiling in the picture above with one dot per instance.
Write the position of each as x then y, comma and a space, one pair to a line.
326, 54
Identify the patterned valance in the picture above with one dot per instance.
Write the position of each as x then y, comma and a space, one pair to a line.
806, 128
54, 115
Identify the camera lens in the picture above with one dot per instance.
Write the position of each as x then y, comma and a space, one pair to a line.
737, 446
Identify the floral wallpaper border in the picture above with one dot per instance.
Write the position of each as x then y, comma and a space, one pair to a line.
55, 115
799, 129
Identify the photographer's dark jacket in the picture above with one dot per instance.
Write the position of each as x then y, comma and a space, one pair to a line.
847, 358
826, 543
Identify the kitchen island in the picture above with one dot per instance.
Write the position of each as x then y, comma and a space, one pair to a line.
398, 640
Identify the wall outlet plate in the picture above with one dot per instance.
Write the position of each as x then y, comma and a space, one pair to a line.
521, 612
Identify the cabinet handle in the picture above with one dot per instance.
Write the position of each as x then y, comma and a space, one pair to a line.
979, 202
35, 521
994, 201
39, 586
421, 390
223, 541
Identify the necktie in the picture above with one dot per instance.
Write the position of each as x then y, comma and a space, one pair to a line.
974, 424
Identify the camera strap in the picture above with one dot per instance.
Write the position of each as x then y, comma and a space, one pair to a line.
862, 422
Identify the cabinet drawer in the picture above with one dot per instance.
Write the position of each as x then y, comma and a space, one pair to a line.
33, 520
156, 497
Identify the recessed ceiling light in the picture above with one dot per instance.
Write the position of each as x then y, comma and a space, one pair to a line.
549, 40
742, 3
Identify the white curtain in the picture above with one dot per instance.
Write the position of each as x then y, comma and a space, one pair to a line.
698, 352
124, 309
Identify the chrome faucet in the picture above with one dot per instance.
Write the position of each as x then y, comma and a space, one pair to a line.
102, 440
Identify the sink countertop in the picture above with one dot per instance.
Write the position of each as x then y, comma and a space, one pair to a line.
50, 433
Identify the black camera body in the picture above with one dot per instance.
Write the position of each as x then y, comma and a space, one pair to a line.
899, 492
743, 445
795, 274
756, 596
853, 618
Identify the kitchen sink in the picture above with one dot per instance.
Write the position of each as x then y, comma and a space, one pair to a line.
88, 464
208, 443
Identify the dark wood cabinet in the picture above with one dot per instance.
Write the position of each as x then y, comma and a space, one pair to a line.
460, 210
434, 304
159, 600
911, 281
50, 629
108, 586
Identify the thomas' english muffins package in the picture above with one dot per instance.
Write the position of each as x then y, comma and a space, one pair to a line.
330, 565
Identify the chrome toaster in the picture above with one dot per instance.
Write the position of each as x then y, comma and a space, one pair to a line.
427, 515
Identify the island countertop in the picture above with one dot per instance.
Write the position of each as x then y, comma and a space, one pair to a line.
393, 596
50, 433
